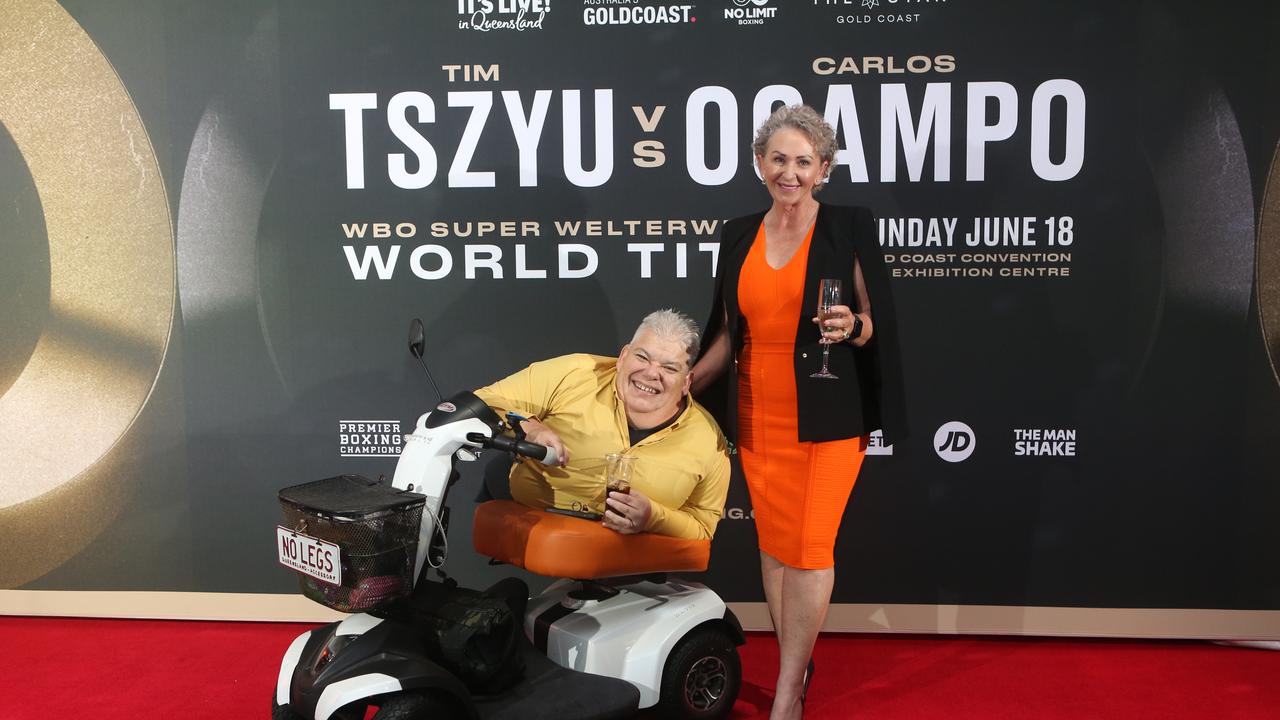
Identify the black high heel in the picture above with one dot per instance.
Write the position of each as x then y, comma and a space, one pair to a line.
808, 675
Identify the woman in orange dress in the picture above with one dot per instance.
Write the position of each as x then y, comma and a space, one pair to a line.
801, 439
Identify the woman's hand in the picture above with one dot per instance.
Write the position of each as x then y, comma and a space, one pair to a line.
839, 325
627, 513
714, 360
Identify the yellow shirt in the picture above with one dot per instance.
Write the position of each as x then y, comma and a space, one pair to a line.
683, 468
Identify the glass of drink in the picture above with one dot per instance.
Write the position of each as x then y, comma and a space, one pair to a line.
828, 297
617, 472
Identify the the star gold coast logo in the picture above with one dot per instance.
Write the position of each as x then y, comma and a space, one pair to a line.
879, 12
486, 15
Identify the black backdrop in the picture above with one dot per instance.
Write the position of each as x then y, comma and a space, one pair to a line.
1109, 369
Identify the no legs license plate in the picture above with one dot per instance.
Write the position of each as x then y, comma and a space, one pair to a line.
312, 556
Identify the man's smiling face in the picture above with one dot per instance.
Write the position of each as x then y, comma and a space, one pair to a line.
653, 377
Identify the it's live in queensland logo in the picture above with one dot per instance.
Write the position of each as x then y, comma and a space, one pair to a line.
369, 438
486, 15
750, 12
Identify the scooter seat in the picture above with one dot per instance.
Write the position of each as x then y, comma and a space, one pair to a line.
569, 547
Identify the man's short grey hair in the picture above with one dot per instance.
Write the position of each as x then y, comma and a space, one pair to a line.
807, 120
674, 325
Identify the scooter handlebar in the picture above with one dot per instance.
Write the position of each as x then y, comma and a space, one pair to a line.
540, 453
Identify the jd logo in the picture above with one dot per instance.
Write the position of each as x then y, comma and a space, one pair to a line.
954, 441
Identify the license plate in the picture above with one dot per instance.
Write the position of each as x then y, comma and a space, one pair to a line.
312, 556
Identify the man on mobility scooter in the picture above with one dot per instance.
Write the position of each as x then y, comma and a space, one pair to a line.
619, 637
638, 406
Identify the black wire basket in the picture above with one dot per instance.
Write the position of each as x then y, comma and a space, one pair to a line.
375, 527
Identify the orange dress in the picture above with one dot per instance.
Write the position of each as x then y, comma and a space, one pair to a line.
798, 489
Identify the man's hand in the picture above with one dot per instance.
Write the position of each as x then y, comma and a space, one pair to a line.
536, 432
627, 514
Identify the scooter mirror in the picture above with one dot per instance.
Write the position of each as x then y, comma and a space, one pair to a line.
417, 338
418, 345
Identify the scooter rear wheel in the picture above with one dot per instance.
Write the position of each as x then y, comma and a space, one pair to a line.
418, 705
702, 676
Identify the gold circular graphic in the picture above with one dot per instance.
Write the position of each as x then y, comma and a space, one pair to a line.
111, 289
24, 274
1268, 264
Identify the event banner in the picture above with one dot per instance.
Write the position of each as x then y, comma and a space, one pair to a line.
219, 219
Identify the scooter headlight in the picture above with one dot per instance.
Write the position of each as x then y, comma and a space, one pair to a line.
331, 649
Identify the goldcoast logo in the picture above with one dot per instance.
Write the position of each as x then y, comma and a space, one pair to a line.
630, 12
954, 441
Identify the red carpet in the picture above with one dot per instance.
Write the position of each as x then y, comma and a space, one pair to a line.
118, 669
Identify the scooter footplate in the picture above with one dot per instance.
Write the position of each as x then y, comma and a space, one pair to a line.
550, 692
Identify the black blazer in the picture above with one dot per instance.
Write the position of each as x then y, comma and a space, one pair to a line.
869, 393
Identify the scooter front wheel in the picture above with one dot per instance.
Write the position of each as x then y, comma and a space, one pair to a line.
418, 705
702, 676
283, 712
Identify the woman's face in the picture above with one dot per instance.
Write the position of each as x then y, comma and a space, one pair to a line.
790, 167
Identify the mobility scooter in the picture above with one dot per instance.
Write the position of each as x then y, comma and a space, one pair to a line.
615, 636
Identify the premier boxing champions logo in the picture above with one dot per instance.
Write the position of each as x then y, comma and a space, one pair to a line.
486, 15
369, 438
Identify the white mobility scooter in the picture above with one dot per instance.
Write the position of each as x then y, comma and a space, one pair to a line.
616, 637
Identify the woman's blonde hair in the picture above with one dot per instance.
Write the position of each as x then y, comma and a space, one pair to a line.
807, 120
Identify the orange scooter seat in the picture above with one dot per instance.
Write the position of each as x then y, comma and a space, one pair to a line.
569, 547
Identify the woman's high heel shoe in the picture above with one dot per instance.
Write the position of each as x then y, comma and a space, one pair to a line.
808, 675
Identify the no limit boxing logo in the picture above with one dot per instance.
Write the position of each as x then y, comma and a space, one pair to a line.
750, 12
954, 441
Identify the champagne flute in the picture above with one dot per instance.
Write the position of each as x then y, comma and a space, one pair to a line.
828, 297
